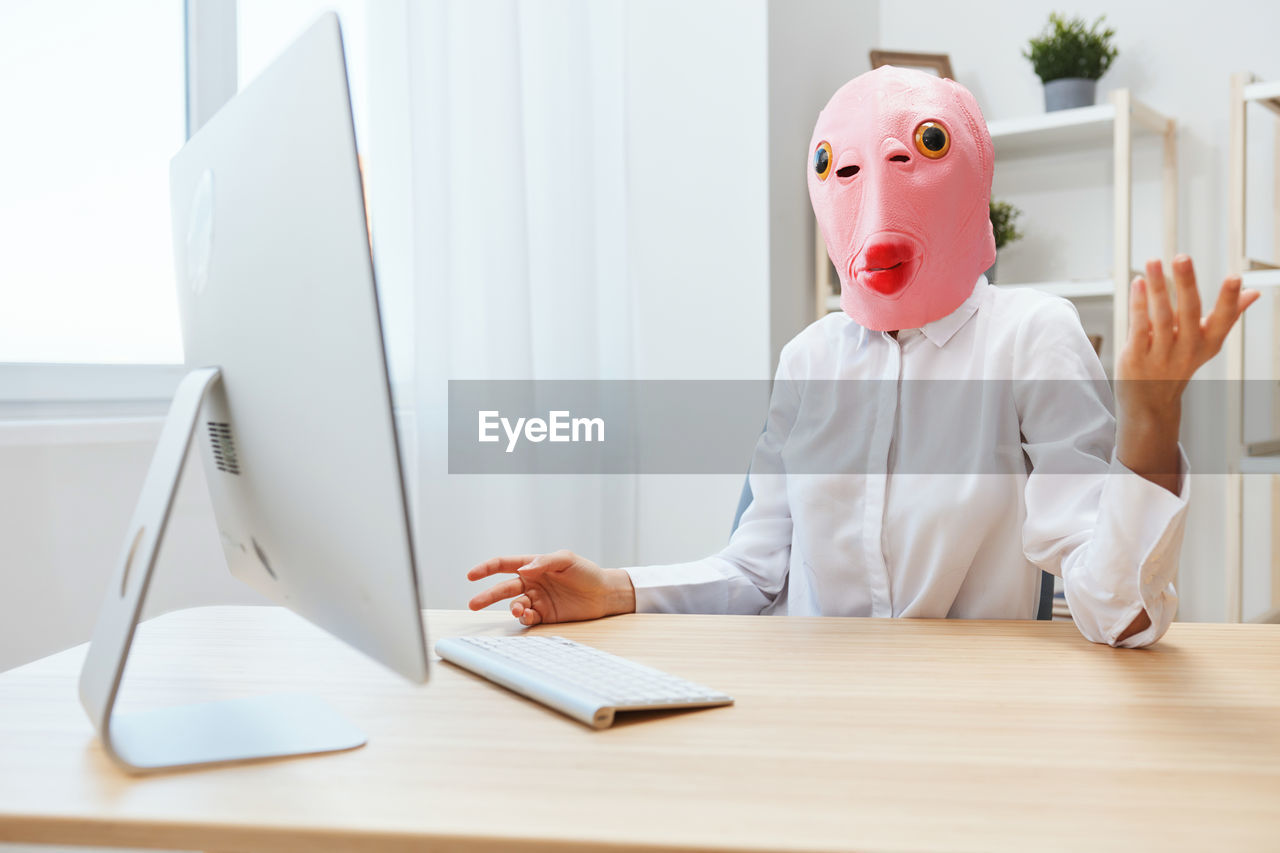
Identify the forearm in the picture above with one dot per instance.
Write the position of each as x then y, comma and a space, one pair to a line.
1147, 441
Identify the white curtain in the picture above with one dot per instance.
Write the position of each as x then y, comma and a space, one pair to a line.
495, 160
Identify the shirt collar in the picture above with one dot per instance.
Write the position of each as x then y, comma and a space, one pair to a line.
941, 330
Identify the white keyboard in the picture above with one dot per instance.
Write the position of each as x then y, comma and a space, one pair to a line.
576, 680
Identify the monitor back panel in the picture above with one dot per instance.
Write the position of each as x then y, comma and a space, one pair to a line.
276, 289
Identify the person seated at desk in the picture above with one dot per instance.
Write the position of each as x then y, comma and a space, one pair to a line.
900, 178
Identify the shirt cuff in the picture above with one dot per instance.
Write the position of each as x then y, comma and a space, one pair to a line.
703, 586
1144, 522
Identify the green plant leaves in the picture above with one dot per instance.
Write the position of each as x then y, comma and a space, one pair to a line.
1068, 47
1004, 217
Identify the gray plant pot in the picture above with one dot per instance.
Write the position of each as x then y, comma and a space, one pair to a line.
1067, 93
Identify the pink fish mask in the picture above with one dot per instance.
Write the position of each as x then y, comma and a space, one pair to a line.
900, 179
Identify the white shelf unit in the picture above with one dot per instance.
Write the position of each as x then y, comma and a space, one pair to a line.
1072, 289
1082, 289
1113, 124
1260, 465
1064, 129
1245, 89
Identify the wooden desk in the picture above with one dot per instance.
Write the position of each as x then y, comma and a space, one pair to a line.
847, 734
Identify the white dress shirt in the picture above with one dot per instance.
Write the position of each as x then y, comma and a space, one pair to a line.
907, 530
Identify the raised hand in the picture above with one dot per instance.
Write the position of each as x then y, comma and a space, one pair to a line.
1162, 352
1165, 346
557, 587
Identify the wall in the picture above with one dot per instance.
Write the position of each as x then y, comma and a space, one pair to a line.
725, 123
65, 501
68, 491
814, 48
1180, 64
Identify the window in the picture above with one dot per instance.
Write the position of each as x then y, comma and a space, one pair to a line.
93, 99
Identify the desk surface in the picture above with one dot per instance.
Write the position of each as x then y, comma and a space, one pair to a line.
847, 734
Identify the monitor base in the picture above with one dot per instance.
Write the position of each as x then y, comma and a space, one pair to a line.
208, 733
250, 729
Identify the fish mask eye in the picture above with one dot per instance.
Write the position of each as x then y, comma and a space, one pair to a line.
932, 139
822, 160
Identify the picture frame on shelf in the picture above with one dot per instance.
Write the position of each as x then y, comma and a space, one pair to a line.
938, 64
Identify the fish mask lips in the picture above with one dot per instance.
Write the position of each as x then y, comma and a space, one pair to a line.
887, 263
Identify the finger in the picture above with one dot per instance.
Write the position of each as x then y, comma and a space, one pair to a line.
530, 617
1161, 311
1225, 310
1184, 277
496, 593
1247, 298
539, 567
499, 564
1139, 320
519, 604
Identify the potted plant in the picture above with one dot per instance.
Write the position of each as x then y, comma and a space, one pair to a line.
1004, 218
1069, 56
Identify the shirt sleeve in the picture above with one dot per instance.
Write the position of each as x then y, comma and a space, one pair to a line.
747, 576
1113, 536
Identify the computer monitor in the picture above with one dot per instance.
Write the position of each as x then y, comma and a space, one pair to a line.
289, 397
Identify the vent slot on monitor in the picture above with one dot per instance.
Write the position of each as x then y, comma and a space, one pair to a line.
224, 447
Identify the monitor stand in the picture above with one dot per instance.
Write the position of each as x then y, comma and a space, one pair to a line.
208, 733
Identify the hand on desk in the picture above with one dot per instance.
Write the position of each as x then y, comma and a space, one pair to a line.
558, 587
